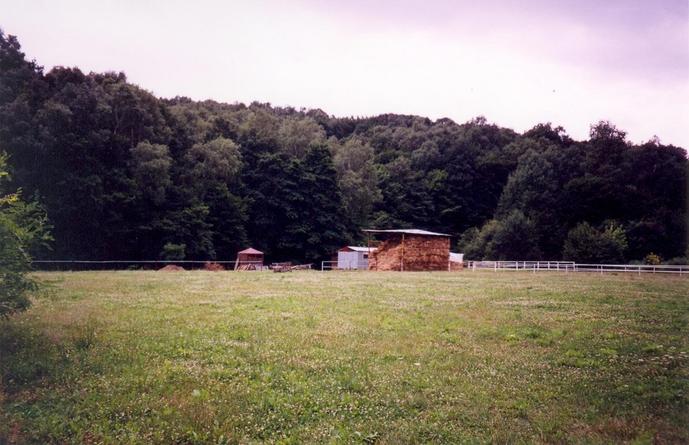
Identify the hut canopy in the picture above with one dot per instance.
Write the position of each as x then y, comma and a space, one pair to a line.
249, 259
250, 251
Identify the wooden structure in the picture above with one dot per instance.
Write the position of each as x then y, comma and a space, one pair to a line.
409, 250
353, 257
249, 259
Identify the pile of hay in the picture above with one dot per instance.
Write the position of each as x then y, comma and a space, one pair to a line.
456, 266
417, 253
171, 268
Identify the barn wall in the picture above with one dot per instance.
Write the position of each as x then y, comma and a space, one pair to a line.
420, 253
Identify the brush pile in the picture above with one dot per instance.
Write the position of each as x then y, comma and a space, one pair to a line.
171, 268
213, 267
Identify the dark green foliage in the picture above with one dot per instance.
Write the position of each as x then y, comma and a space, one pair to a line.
23, 228
295, 206
172, 251
512, 238
585, 244
123, 173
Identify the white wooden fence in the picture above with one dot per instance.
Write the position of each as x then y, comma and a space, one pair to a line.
570, 266
557, 266
681, 269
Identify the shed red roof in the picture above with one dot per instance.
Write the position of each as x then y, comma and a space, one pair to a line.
251, 251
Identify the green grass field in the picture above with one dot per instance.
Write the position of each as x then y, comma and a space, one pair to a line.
337, 357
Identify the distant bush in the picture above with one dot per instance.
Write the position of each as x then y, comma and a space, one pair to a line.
511, 238
173, 252
586, 244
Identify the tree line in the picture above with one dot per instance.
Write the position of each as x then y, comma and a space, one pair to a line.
122, 174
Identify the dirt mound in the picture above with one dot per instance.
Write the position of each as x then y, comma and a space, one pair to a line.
171, 268
213, 267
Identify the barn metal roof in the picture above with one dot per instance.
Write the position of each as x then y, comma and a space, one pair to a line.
407, 231
359, 248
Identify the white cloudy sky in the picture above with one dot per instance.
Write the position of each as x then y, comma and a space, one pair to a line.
517, 63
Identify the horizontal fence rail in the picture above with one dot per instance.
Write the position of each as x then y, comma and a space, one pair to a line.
635, 268
328, 265
570, 266
562, 266
124, 264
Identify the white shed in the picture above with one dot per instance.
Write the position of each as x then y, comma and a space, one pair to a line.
353, 257
456, 257
456, 261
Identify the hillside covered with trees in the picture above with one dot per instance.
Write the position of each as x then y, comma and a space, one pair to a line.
123, 174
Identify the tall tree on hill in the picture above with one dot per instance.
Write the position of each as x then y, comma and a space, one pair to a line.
89, 125
330, 226
656, 209
297, 135
535, 189
211, 175
21, 93
357, 178
149, 170
295, 206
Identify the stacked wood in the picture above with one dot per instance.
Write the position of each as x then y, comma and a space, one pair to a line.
281, 267
411, 253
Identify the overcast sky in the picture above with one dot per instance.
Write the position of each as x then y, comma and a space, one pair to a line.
518, 63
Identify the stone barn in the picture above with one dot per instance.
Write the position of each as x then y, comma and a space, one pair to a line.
409, 250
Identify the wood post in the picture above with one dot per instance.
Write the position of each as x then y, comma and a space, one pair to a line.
402, 257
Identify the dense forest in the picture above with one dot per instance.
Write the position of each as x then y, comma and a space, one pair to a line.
123, 174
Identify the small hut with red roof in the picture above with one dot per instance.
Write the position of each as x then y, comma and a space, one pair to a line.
249, 259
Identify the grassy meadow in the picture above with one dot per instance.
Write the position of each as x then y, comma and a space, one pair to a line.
347, 357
